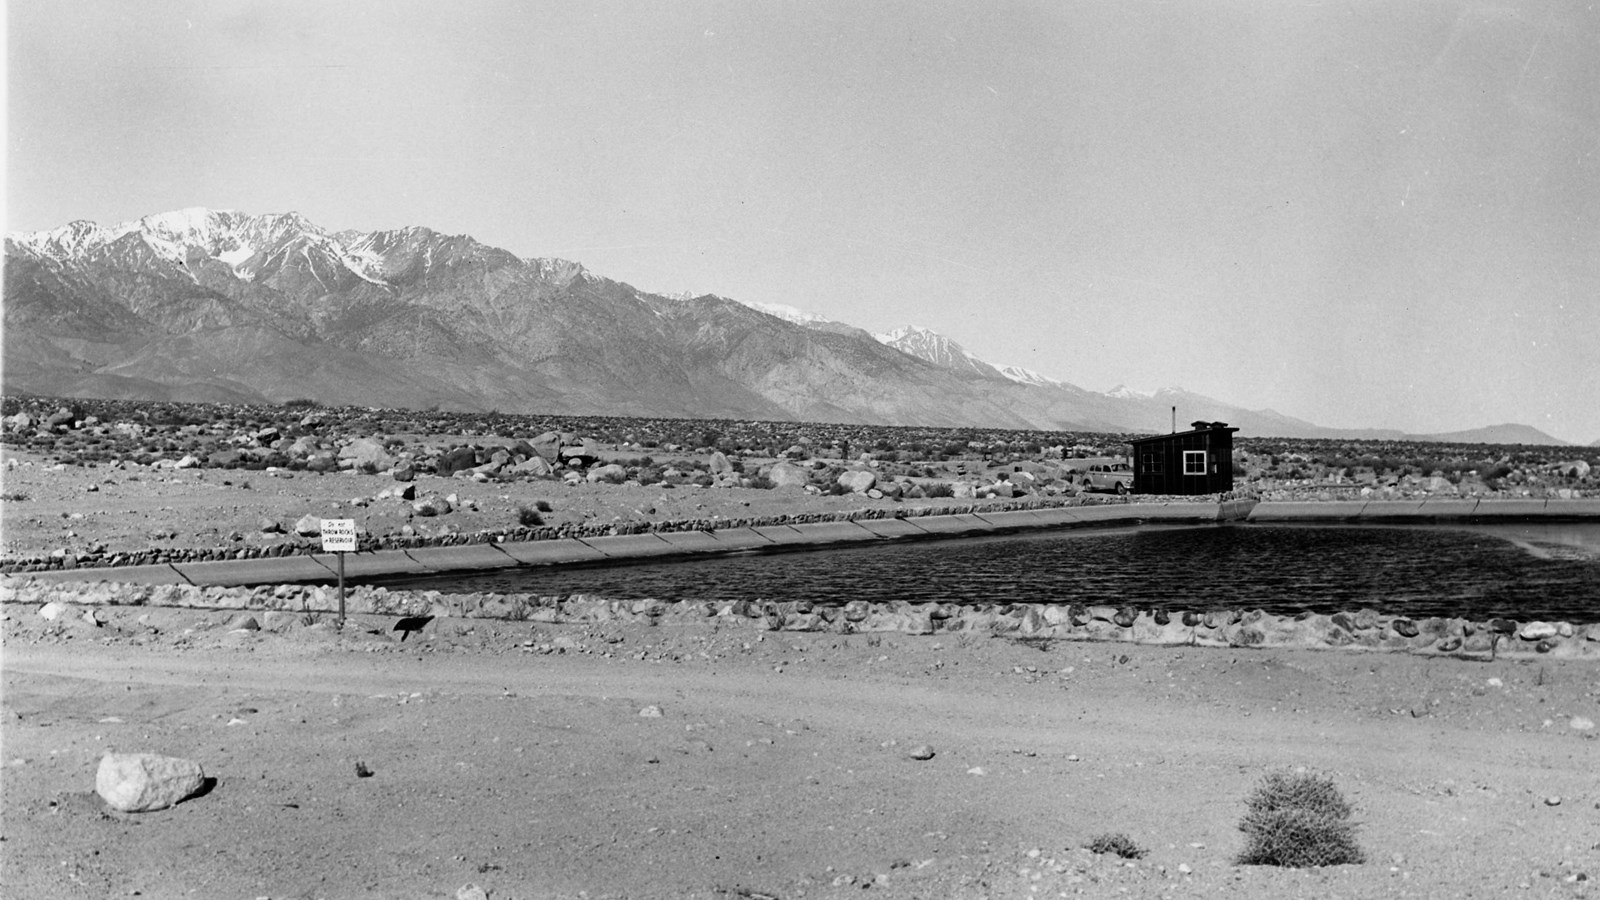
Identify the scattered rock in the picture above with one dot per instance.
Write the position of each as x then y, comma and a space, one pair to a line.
610, 473
431, 506
1579, 723
1538, 631
1552, 801
53, 610
471, 891
921, 751
650, 712
308, 526
548, 446
535, 465
858, 480
143, 782
322, 461
367, 455
786, 474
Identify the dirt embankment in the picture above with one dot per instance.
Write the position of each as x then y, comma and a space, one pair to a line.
130, 514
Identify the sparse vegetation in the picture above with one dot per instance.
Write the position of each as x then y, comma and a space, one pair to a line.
1297, 820
528, 517
1115, 843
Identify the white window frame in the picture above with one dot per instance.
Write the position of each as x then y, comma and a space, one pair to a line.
1188, 462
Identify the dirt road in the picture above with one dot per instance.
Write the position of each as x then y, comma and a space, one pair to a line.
516, 758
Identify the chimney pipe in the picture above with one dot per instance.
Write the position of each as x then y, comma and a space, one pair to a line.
1174, 420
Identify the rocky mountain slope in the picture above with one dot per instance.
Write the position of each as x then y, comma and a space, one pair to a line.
221, 306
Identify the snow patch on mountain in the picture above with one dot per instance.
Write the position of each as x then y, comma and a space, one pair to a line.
238, 256
167, 250
1028, 376
786, 313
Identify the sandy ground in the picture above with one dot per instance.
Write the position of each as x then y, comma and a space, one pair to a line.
514, 757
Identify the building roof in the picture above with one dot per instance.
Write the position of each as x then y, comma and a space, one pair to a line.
1195, 428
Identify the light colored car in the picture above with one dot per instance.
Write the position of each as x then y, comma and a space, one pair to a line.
1115, 477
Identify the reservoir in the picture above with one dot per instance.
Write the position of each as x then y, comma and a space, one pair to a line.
1520, 571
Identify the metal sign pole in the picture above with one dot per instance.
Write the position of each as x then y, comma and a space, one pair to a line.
341, 588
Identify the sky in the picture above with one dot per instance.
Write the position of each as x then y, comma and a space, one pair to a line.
1360, 213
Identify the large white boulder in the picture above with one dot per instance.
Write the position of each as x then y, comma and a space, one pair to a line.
858, 480
368, 455
785, 474
142, 782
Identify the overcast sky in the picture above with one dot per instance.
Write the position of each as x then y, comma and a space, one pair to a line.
1365, 214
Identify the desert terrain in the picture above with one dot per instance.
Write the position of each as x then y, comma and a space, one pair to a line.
528, 760
706, 757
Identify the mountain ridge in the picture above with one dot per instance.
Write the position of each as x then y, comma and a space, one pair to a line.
199, 303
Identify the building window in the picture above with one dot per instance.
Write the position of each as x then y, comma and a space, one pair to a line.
1194, 462
1150, 462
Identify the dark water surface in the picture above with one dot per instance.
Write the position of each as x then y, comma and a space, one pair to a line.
1521, 572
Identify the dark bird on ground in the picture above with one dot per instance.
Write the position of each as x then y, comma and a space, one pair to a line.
409, 624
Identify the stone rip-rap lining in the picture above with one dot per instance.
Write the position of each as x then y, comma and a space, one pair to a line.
1365, 629
296, 545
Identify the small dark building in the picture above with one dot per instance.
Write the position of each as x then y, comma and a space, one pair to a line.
1199, 461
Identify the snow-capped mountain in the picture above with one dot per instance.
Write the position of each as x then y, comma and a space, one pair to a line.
934, 347
925, 343
224, 306
218, 305
244, 243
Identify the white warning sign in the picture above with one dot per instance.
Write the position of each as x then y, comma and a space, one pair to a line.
338, 535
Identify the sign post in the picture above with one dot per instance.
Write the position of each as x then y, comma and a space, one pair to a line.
339, 536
